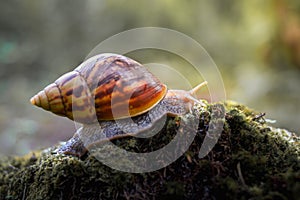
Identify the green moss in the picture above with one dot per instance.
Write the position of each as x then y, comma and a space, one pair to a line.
251, 160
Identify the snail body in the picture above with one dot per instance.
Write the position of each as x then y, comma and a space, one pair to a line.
106, 91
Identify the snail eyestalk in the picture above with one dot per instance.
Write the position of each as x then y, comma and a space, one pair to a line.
198, 87
192, 93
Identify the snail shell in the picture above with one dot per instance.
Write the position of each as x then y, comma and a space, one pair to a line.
104, 87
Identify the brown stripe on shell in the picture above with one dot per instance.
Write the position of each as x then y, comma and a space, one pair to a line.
43, 100
66, 78
77, 100
104, 90
125, 106
109, 78
55, 99
122, 86
95, 69
106, 69
88, 67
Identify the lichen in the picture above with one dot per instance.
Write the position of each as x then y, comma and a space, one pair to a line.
250, 160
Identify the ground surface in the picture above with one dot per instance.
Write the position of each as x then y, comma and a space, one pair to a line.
250, 160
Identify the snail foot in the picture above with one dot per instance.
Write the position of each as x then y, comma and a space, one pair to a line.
73, 147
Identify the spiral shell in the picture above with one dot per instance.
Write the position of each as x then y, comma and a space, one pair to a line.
105, 87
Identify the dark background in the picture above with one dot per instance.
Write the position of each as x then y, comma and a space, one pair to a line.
255, 44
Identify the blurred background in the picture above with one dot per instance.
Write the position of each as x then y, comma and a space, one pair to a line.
255, 44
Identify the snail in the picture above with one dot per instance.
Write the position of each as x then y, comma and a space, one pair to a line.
103, 93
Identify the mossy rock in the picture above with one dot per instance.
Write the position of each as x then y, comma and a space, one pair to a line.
251, 160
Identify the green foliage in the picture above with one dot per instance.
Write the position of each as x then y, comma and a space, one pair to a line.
250, 160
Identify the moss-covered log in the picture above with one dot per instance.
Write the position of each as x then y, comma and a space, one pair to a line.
251, 160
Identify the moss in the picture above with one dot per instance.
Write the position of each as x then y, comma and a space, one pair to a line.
250, 160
